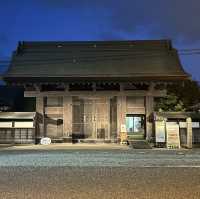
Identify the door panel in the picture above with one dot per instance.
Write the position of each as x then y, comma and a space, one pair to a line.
93, 118
102, 118
88, 118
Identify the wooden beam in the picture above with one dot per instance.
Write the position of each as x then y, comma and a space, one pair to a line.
155, 93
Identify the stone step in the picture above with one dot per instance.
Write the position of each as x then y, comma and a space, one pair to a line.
93, 141
140, 144
57, 140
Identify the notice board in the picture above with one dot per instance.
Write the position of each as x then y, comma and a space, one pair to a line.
160, 131
173, 138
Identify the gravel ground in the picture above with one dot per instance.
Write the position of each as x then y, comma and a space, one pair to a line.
99, 158
101, 182
134, 174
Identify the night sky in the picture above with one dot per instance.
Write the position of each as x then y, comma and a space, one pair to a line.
27, 20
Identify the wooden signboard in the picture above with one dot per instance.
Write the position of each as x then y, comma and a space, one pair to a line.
173, 139
160, 131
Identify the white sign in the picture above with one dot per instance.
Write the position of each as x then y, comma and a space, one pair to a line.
5, 124
173, 139
45, 141
183, 124
123, 128
160, 131
195, 124
24, 124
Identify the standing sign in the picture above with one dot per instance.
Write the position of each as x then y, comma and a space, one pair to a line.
123, 128
173, 139
160, 131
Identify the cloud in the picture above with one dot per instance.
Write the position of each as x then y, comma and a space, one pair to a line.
176, 19
172, 19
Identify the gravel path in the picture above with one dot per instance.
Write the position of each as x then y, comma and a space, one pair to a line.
99, 158
99, 183
99, 174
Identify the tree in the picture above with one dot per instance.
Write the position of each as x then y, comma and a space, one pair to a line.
180, 97
188, 93
169, 103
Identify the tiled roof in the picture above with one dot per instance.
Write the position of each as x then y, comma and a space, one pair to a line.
96, 59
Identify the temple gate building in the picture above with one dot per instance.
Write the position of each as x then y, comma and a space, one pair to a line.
93, 90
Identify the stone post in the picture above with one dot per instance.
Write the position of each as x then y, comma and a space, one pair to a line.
189, 132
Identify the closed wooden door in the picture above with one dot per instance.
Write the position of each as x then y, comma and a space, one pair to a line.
91, 118
88, 121
102, 118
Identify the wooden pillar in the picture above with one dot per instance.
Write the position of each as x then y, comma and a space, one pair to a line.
121, 86
41, 118
189, 132
67, 116
108, 118
149, 105
121, 112
94, 118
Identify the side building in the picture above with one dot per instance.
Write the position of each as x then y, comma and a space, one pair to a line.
95, 90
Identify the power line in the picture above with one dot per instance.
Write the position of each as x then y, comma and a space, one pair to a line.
189, 49
196, 53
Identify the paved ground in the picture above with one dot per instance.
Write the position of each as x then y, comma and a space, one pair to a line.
96, 172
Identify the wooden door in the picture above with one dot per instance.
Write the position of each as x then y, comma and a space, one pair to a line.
91, 118
101, 118
88, 118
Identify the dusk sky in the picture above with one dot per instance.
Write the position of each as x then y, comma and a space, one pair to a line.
30, 20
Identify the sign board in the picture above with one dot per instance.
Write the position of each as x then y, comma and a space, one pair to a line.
173, 138
45, 141
160, 131
123, 128
5, 124
183, 124
123, 137
195, 125
23, 124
